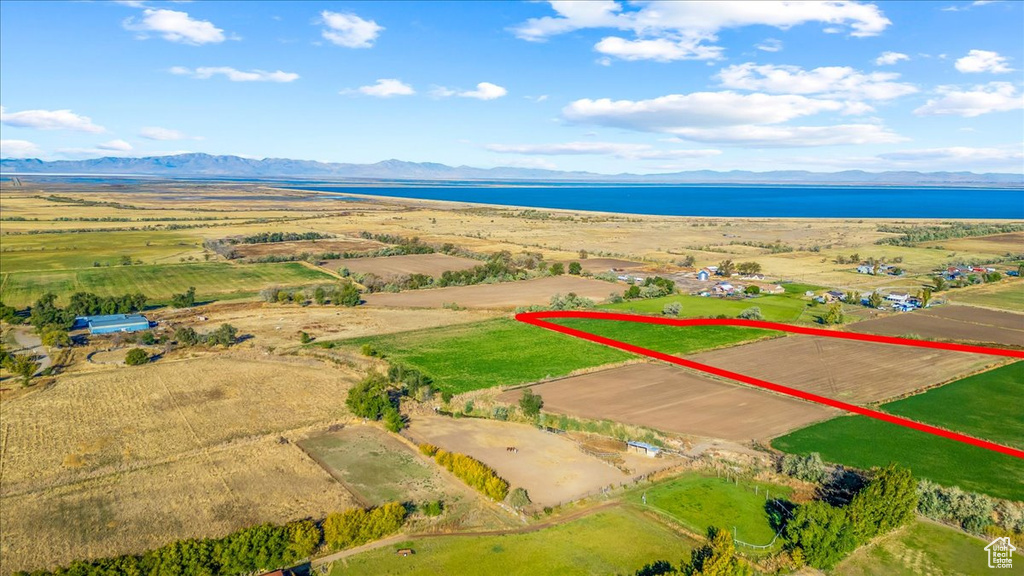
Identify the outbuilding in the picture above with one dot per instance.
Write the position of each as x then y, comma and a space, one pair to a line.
644, 448
111, 323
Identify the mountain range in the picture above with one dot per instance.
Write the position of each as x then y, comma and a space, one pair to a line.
198, 165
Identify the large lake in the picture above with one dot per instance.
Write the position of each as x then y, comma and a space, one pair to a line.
730, 201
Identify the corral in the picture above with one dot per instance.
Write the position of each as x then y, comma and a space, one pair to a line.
858, 372
951, 323
503, 295
392, 266
551, 468
196, 443
673, 399
296, 248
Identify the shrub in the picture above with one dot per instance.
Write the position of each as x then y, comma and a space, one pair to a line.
474, 473
136, 357
575, 268
428, 449
672, 309
432, 508
752, 313
519, 499
808, 468
370, 398
354, 527
304, 337
500, 413
530, 403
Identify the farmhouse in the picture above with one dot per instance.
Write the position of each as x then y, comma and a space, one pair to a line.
833, 296
898, 297
723, 288
643, 448
112, 323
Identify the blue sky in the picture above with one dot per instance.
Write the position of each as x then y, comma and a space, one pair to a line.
600, 86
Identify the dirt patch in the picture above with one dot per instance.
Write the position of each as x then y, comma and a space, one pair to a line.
962, 323
306, 246
503, 295
393, 266
857, 372
674, 399
551, 468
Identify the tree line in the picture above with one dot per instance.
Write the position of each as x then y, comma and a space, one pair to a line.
272, 237
470, 470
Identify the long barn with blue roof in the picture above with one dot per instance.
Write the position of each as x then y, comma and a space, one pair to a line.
110, 323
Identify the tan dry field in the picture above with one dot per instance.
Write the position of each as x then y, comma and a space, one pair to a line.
278, 325
672, 399
391, 266
996, 244
502, 295
598, 265
855, 372
193, 439
551, 468
951, 322
304, 246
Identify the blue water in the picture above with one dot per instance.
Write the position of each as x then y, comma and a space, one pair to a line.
728, 201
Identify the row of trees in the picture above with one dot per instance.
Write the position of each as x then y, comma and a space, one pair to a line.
910, 235
470, 470
975, 513
651, 287
45, 311
271, 237
226, 335
717, 557
251, 550
374, 398
346, 294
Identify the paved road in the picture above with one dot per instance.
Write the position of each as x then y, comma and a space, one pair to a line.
28, 341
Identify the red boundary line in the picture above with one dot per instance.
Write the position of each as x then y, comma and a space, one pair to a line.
539, 319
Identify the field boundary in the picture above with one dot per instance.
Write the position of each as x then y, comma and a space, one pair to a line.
539, 319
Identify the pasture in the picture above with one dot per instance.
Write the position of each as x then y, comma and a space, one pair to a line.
58, 251
1005, 296
297, 248
549, 466
393, 266
500, 295
504, 352
985, 405
864, 442
698, 500
673, 399
89, 462
958, 323
618, 540
856, 372
212, 280
920, 548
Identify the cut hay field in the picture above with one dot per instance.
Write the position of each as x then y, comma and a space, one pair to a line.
211, 280
697, 501
58, 251
674, 399
781, 308
1005, 296
391, 266
864, 442
549, 466
306, 246
847, 370
921, 548
504, 352
91, 460
618, 540
500, 295
986, 405
960, 323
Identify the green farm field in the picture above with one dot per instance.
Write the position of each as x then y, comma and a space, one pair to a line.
921, 548
80, 250
616, 541
505, 352
864, 442
158, 283
698, 501
986, 405
1008, 296
775, 308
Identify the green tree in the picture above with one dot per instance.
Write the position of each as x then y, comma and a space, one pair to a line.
726, 268
752, 313
320, 295
583, 254
9, 314
940, 283
530, 403
348, 295
749, 268
393, 419
225, 335
136, 357
575, 268
55, 337
186, 336
875, 300
717, 557
833, 314
23, 365
887, 502
185, 300
822, 533
753, 290
557, 269
925, 296
519, 498
370, 398
852, 297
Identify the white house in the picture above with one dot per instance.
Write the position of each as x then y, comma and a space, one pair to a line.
898, 297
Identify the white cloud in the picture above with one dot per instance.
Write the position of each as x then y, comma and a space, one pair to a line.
234, 75
157, 133
618, 150
118, 145
698, 109
667, 31
791, 136
538, 99
959, 155
349, 30
890, 58
386, 88
539, 163
972, 102
770, 45
484, 91
833, 81
983, 61
18, 149
175, 26
49, 120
